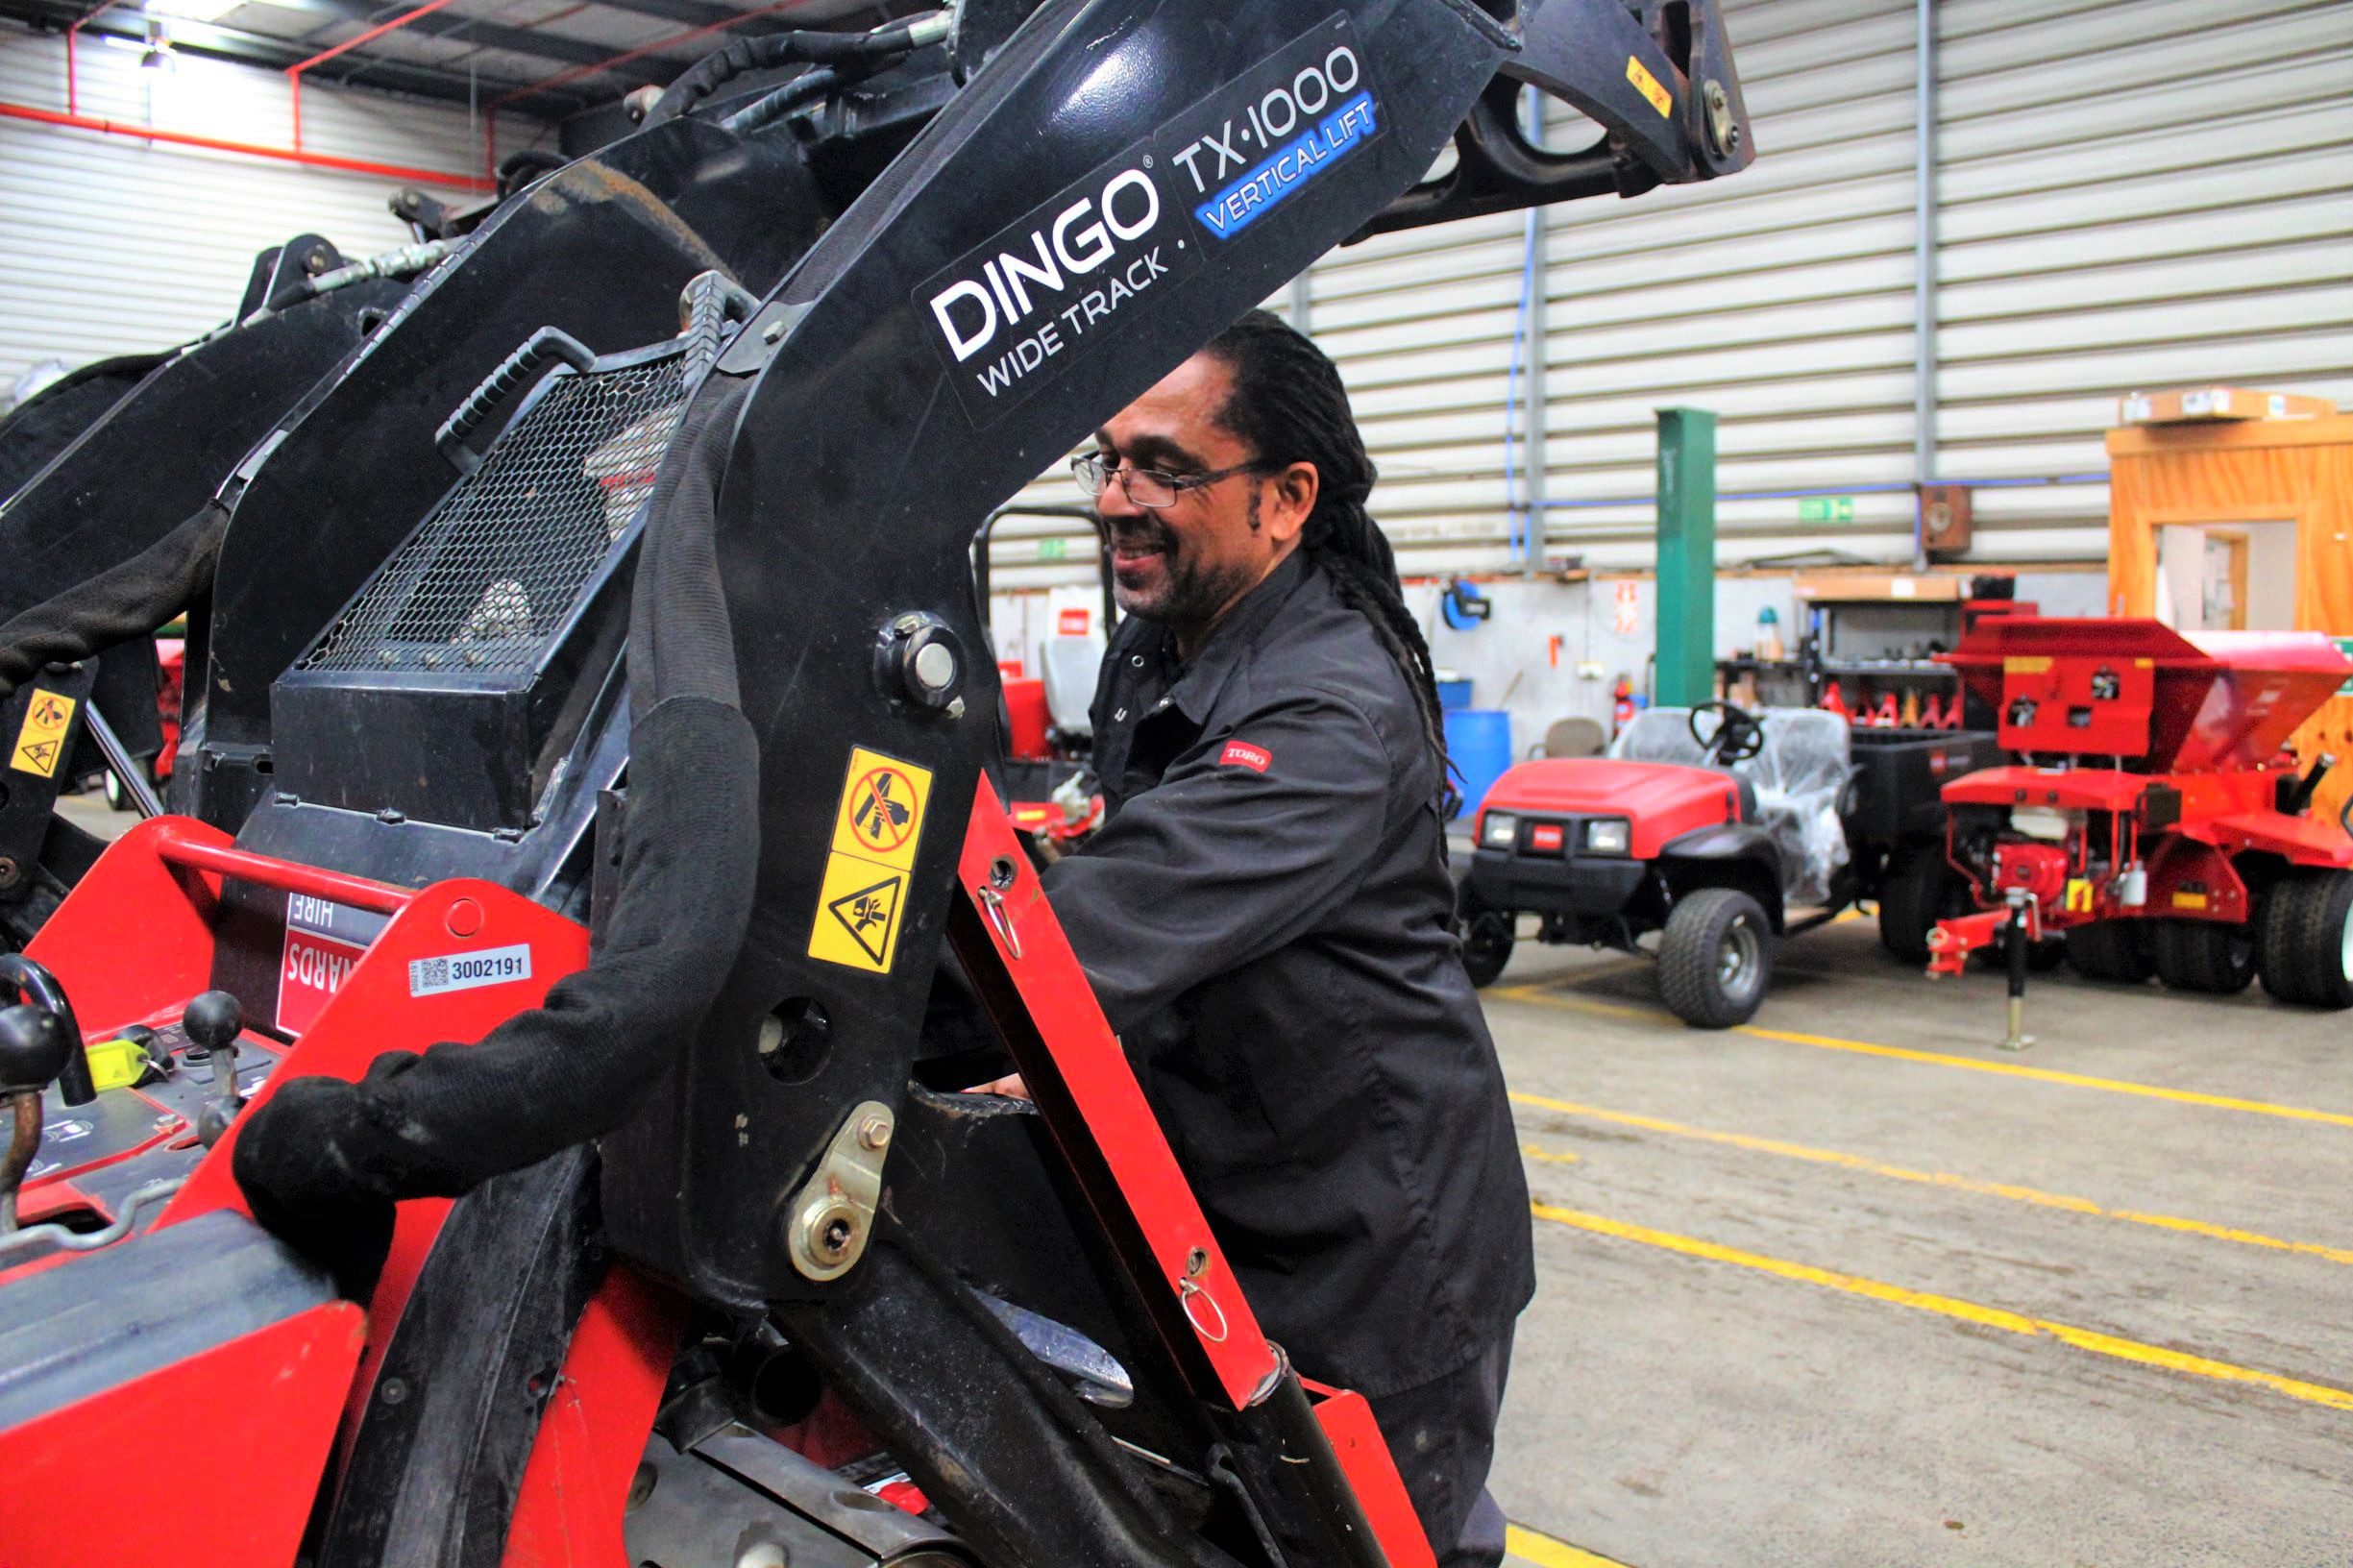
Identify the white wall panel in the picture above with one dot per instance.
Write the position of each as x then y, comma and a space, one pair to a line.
112, 244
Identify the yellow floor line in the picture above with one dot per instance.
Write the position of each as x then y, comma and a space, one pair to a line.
1548, 1156
1966, 1312
2074, 1080
1931, 1178
1527, 1546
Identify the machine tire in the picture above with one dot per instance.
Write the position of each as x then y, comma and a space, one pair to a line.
1487, 936
1716, 958
2109, 951
2305, 945
1921, 889
2046, 955
2205, 955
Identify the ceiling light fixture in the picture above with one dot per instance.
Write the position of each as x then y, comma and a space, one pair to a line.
193, 11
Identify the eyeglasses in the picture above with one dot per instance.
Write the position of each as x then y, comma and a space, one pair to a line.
1149, 487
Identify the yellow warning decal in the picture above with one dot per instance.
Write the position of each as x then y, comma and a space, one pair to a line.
2079, 895
2027, 664
41, 743
857, 914
881, 815
1648, 86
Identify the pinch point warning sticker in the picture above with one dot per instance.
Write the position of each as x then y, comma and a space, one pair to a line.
857, 914
41, 744
880, 817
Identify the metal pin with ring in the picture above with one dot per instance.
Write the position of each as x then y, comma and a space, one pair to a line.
992, 903
1189, 1290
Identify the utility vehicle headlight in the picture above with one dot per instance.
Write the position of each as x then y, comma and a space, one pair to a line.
1499, 830
1608, 836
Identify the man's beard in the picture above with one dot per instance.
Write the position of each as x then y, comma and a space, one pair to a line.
1172, 587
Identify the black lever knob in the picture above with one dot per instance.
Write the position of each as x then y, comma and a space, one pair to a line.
214, 1019
33, 1049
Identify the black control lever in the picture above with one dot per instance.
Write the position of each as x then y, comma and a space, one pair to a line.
21, 980
213, 1021
33, 1049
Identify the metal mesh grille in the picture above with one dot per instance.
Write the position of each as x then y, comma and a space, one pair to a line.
496, 567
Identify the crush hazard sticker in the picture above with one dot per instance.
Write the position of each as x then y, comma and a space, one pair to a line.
857, 914
41, 743
466, 971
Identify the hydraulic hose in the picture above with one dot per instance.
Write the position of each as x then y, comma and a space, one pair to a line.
739, 57
767, 111
323, 1160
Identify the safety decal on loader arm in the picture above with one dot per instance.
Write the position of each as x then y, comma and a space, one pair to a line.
877, 827
41, 744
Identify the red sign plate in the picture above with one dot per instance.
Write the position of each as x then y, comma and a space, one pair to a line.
310, 974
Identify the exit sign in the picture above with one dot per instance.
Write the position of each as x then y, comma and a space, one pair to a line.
1825, 510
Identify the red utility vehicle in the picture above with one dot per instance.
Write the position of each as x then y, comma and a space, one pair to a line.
1709, 826
2156, 819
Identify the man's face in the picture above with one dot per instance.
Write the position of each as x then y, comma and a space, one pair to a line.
1186, 564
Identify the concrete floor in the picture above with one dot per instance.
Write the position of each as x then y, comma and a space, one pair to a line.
1803, 1301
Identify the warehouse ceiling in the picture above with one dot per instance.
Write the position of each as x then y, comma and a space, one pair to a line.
546, 58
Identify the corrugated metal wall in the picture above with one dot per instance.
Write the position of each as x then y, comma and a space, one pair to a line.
113, 245
2134, 193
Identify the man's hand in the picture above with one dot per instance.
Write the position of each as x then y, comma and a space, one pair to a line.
1010, 1086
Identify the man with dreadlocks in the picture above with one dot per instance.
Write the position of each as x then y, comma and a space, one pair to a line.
1266, 915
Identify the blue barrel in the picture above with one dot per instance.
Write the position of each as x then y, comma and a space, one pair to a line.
1453, 694
1479, 740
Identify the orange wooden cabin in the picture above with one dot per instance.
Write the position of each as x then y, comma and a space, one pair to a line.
2243, 526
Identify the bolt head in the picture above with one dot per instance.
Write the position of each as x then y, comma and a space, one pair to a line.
935, 665
773, 333
874, 1133
955, 709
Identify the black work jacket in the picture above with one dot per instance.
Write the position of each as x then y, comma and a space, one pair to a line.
1266, 919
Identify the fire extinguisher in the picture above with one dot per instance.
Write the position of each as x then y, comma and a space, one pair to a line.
1622, 711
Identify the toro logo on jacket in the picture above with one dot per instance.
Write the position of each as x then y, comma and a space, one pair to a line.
1242, 754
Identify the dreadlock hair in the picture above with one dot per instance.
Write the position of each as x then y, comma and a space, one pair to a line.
1288, 405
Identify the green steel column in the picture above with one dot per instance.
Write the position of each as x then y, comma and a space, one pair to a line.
1686, 623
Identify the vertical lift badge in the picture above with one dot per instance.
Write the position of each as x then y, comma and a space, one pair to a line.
878, 826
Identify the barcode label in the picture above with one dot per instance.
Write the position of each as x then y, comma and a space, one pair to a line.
463, 972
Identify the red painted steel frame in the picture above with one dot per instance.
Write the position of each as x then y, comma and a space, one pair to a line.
1095, 1108
593, 1433
135, 940
253, 1419
1097, 1116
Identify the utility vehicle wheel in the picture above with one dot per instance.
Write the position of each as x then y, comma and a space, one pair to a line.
1715, 958
1487, 935
2305, 947
2046, 955
2202, 955
2109, 951
1921, 888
